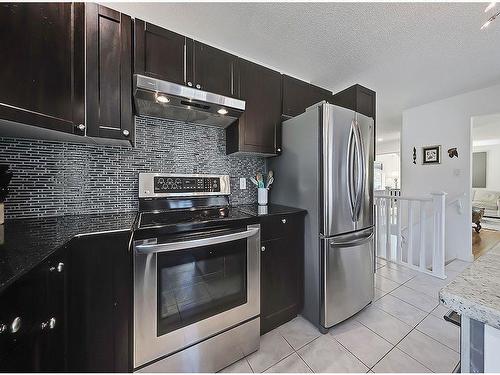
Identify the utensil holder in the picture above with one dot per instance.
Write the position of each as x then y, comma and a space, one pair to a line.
262, 196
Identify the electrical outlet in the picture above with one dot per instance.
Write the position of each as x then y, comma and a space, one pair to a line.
243, 183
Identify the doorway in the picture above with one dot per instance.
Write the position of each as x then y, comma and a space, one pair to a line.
485, 193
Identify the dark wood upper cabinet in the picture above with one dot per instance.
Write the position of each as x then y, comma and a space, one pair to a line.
108, 73
298, 95
166, 55
213, 70
255, 131
358, 98
42, 72
160, 53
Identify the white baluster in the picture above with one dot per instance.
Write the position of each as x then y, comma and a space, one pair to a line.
399, 246
409, 254
439, 206
388, 228
423, 228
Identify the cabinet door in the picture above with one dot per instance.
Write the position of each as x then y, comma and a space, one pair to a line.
99, 292
213, 69
358, 98
279, 292
159, 53
42, 71
298, 95
109, 73
255, 130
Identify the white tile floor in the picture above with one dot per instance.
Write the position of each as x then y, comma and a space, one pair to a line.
402, 331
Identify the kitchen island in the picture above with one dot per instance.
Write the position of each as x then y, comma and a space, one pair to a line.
475, 295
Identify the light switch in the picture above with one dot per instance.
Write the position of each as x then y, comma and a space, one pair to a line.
243, 183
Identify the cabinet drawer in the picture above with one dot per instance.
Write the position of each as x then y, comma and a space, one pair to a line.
278, 226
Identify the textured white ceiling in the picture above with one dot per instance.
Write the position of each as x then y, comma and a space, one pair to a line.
409, 53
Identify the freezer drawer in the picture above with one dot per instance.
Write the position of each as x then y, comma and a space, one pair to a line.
347, 275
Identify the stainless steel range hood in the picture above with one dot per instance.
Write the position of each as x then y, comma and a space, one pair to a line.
162, 99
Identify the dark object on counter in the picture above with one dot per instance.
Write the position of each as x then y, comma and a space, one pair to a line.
453, 317
5, 177
452, 152
414, 155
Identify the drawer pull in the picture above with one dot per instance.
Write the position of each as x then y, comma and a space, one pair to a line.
263, 248
58, 268
283, 221
50, 324
15, 325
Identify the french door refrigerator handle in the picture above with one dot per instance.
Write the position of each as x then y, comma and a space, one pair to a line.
361, 169
353, 243
349, 170
172, 246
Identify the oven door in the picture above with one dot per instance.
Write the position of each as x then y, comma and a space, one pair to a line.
191, 288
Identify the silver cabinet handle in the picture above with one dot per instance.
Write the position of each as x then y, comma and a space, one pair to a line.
58, 268
15, 325
279, 149
126, 133
198, 86
81, 127
283, 221
50, 324
190, 84
3, 327
263, 248
172, 246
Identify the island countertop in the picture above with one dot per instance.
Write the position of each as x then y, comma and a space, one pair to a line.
475, 293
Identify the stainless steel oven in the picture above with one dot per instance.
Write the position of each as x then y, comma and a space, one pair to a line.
196, 299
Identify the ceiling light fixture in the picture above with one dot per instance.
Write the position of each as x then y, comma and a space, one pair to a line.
160, 98
380, 139
490, 20
490, 6
222, 111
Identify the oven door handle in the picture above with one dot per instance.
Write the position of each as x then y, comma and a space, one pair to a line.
172, 246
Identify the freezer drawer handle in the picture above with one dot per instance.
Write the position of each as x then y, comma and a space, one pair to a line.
172, 246
356, 242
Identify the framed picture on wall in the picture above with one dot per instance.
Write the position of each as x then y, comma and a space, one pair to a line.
431, 155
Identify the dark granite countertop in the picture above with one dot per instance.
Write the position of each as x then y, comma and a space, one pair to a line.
269, 210
24, 243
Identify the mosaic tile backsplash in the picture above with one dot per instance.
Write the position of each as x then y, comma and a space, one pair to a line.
60, 178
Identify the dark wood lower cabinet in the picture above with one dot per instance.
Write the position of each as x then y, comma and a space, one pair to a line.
99, 309
35, 304
282, 260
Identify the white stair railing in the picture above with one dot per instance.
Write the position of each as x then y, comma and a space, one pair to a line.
411, 231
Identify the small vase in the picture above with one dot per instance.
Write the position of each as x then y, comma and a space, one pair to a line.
262, 196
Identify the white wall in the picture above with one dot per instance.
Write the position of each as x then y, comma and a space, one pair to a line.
447, 123
386, 147
492, 165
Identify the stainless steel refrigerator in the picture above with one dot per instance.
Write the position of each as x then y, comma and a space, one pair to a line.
327, 168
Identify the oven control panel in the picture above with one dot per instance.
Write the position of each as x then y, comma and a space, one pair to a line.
186, 184
153, 185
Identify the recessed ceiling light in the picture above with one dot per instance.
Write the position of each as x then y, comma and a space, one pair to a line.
490, 6
222, 111
380, 139
160, 98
